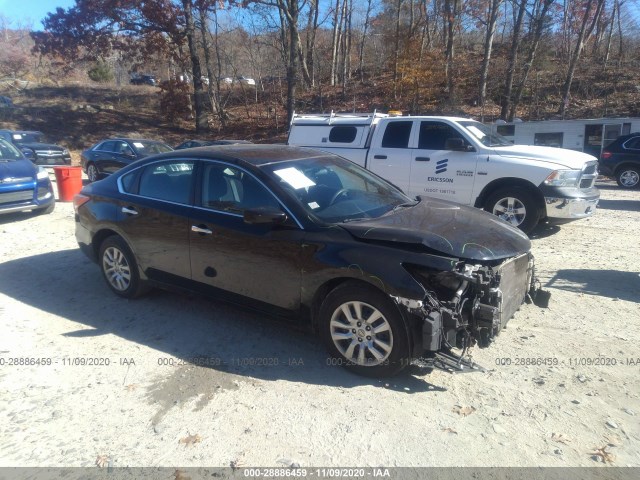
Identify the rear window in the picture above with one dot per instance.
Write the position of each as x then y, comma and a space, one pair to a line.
397, 135
343, 134
632, 143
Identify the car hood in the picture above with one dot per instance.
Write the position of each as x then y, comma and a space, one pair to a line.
561, 156
17, 169
41, 146
447, 228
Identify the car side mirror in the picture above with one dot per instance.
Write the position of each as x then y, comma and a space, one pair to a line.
457, 145
264, 216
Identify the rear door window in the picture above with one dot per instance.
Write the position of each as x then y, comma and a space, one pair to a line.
397, 134
170, 181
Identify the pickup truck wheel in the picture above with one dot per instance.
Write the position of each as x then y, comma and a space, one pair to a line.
628, 177
514, 205
363, 331
120, 269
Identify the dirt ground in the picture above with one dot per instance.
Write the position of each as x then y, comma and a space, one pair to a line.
112, 380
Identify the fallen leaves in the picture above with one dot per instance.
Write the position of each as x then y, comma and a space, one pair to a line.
449, 430
131, 387
464, 411
601, 454
102, 461
191, 440
180, 475
560, 438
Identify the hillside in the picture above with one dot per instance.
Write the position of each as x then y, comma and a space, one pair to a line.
79, 115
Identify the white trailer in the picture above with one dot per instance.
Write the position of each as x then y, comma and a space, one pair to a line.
588, 135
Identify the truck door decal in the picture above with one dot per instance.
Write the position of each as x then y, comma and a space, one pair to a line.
441, 165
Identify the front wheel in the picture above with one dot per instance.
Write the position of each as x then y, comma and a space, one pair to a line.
628, 177
120, 269
514, 205
363, 331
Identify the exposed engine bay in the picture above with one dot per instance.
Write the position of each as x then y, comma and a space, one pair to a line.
471, 304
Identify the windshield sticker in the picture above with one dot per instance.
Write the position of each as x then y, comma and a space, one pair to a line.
294, 177
17, 136
476, 131
138, 145
313, 205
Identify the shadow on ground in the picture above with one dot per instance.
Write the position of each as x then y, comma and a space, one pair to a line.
626, 205
232, 339
603, 283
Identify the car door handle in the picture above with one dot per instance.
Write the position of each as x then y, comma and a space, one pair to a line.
129, 211
423, 159
201, 229
380, 157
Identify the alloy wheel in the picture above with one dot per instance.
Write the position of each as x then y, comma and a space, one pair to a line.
361, 333
510, 209
116, 269
629, 178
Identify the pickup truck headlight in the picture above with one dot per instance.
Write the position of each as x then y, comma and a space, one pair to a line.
42, 174
65, 152
563, 178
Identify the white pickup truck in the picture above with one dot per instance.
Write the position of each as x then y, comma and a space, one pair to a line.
461, 160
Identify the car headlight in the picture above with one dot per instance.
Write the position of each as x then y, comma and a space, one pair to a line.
65, 152
42, 174
563, 178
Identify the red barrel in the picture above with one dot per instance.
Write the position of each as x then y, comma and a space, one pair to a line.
69, 181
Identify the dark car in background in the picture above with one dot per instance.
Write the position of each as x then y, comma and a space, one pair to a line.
621, 160
109, 156
144, 80
23, 185
311, 237
208, 143
34, 146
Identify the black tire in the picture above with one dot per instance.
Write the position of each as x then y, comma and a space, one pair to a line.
46, 210
628, 177
92, 173
525, 214
120, 269
391, 341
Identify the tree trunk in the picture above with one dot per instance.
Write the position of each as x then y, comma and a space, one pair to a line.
365, 28
199, 96
513, 59
213, 85
451, 12
539, 22
492, 20
585, 32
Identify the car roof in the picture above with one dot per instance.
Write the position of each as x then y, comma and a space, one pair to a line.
21, 131
253, 154
126, 139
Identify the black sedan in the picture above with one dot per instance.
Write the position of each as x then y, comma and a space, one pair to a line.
208, 143
109, 156
314, 238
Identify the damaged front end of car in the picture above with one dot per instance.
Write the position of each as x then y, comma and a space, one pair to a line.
468, 306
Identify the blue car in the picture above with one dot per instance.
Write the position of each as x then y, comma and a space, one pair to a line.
23, 185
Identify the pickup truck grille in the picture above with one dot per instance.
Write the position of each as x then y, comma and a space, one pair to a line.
13, 197
589, 175
49, 157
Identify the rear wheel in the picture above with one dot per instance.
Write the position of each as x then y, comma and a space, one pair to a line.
363, 331
92, 173
120, 269
628, 177
514, 205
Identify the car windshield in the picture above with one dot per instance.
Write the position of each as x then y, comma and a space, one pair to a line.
144, 147
335, 190
27, 137
9, 153
485, 134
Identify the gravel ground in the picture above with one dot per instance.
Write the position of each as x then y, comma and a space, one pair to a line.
114, 384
